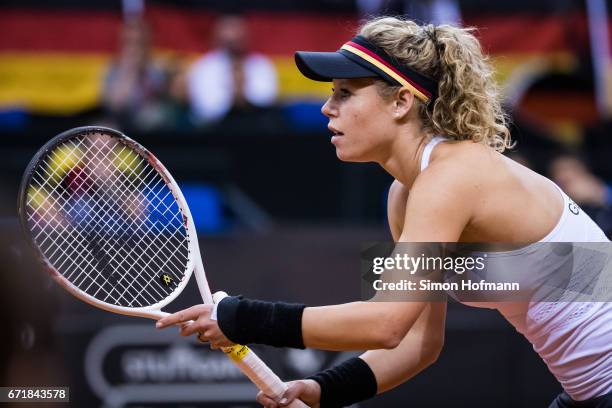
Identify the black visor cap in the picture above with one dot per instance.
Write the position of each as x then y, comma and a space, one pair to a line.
326, 66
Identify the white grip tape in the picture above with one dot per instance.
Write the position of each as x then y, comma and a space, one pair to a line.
256, 370
265, 379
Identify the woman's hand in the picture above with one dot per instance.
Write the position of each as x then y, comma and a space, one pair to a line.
197, 319
308, 391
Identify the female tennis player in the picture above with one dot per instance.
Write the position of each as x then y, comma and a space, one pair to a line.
421, 102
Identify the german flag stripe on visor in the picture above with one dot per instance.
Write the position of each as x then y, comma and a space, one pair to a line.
359, 58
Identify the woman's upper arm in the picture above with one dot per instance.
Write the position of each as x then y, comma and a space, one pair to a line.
437, 209
440, 205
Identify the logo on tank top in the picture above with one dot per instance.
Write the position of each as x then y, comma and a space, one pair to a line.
574, 209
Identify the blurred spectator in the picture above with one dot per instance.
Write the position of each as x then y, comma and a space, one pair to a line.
176, 99
229, 78
597, 146
586, 189
425, 11
134, 86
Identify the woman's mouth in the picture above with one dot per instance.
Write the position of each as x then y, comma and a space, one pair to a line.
336, 134
336, 138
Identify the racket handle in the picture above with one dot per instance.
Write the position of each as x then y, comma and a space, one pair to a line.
259, 373
255, 369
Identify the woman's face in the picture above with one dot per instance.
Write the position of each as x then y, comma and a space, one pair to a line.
360, 119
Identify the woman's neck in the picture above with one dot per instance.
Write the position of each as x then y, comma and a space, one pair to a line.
404, 160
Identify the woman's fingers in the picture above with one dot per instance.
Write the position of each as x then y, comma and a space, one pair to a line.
196, 320
294, 390
302, 389
182, 316
266, 401
189, 329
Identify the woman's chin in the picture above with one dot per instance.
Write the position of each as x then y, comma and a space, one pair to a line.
345, 156
341, 154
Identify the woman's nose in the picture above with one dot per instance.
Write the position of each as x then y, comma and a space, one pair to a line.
328, 109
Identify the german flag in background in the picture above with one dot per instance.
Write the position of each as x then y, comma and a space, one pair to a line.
54, 61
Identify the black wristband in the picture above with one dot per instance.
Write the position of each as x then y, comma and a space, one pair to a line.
347, 383
246, 321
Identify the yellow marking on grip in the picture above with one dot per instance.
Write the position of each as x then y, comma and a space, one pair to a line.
237, 352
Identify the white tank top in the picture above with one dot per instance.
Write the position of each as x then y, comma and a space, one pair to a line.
573, 338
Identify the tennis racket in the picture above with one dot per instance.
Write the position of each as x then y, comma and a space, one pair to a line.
112, 227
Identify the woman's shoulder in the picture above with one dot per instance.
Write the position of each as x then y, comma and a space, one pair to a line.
457, 159
461, 149
457, 171
452, 165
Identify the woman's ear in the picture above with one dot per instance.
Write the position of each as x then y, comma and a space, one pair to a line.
404, 101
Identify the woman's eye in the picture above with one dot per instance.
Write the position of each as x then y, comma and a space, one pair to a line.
344, 93
341, 93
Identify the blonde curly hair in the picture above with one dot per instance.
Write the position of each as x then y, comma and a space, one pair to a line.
468, 106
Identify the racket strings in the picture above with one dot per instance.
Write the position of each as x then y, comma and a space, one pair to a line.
111, 192
112, 247
108, 222
84, 248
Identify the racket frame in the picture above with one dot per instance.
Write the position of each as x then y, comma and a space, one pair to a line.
244, 358
194, 262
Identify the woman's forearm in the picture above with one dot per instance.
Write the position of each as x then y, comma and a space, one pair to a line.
350, 326
359, 325
417, 350
358, 379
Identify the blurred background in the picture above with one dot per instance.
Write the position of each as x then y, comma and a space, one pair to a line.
211, 88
